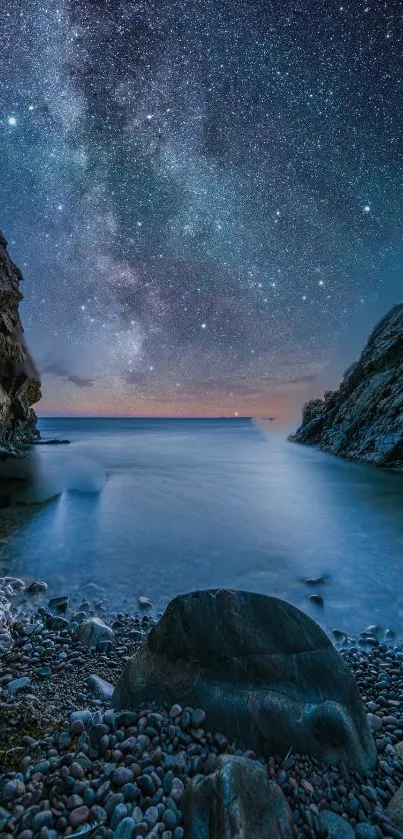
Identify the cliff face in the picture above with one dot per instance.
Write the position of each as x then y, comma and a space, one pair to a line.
19, 379
363, 419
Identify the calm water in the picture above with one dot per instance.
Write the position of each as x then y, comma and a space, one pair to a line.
188, 504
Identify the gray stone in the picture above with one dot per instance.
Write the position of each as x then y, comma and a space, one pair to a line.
334, 826
59, 603
267, 675
36, 587
237, 800
125, 829
93, 630
395, 809
100, 688
19, 684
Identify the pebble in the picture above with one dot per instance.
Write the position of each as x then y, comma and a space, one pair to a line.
125, 829
36, 587
374, 722
79, 816
127, 771
198, 718
17, 685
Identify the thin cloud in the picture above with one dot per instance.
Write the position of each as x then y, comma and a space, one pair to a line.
58, 370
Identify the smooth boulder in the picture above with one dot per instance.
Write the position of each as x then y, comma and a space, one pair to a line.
266, 674
237, 800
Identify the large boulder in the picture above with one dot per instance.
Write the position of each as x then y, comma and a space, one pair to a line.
266, 674
237, 800
363, 419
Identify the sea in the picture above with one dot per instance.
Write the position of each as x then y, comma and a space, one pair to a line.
158, 507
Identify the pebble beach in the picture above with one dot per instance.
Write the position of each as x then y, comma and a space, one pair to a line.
71, 766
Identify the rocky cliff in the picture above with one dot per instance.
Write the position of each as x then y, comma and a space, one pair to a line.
363, 419
19, 379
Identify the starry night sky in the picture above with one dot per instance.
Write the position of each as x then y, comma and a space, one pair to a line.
205, 196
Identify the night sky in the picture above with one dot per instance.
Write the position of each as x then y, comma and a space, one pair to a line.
205, 196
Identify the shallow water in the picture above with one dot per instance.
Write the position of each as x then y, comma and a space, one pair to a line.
203, 503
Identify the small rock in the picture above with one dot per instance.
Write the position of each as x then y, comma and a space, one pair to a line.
125, 829
18, 684
100, 688
198, 718
144, 602
93, 630
395, 808
366, 831
59, 604
36, 587
374, 722
79, 816
335, 826
316, 598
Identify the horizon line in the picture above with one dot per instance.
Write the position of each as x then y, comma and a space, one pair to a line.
150, 416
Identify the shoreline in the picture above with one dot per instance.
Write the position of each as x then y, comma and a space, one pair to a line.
62, 748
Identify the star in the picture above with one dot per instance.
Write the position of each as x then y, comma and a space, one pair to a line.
154, 187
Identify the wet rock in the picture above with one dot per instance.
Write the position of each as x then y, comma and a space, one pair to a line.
314, 581
36, 587
59, 604
266, 674
144, 602
374, 722
334, 826
17, 685
316, 598
100, 688
238, 799
125, 829
395, 809
93, 630
79, 816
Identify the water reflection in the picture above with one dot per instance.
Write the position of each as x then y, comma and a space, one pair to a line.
191, 504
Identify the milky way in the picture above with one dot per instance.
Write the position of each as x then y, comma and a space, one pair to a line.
202, 195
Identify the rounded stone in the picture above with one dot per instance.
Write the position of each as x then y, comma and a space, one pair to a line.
122, 776
146, 784
169, 819
252, 805
125, 829
93, 630
42, 819
374, 722
119, 813
267, 675
198, 717
366, 831
334, 826
79, 816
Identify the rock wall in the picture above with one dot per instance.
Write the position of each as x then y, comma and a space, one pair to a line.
363, 419
19, 380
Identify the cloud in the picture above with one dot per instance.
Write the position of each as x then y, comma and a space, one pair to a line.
58, 370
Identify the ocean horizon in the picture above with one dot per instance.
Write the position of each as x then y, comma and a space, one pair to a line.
158, 506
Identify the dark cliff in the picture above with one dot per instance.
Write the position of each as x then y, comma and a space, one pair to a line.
363, 419
19, 380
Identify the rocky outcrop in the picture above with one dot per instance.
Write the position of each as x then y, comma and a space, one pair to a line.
363, 419
237, 800
266, 674
19, 379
